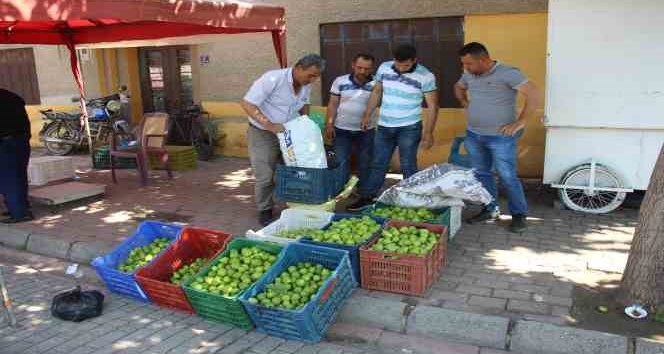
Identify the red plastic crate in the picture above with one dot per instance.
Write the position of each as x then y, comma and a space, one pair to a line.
399, 273
155, 279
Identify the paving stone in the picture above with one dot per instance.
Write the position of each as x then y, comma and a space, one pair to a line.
484, 301
377, 313
456, 326
448, 296
420, 345
649, 346
475, 290
540, 289
269, 344
492, 284
537, 337
511, 294
85, 252
351, 332
48, 246
528, 307
553, 300
13, 237
290, 346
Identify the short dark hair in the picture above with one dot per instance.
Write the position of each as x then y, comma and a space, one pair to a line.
405, 52
364, 56
475, 49
310, 60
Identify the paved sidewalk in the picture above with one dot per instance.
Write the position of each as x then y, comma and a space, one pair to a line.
128, 326
489, 270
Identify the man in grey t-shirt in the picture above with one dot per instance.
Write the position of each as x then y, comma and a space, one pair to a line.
488, 91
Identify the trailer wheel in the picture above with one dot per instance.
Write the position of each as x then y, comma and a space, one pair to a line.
598, 201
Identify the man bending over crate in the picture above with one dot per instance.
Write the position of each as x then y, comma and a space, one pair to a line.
275, 98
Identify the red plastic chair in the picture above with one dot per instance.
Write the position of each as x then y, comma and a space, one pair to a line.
152, 130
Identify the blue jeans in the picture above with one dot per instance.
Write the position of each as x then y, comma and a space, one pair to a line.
387, 139
14, 157
498, 151
343, 148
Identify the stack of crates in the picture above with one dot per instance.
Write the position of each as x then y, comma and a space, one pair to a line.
180, 157
102, 160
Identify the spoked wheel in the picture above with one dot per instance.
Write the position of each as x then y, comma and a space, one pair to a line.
58, 131
598, 201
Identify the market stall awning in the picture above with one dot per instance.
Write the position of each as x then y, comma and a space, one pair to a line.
105, 22
85, 22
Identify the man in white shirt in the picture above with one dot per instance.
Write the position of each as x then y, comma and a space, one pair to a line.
275, 98
349, 97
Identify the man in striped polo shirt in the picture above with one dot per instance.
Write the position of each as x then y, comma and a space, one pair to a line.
401, 86
349, 97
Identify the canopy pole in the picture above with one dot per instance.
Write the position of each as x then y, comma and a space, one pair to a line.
76, 70
279, 41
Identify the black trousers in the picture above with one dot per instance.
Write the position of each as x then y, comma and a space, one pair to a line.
14, 158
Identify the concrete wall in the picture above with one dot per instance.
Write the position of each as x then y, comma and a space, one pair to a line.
236, 60
517, 39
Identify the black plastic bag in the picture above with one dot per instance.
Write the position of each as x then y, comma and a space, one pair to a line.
76, 305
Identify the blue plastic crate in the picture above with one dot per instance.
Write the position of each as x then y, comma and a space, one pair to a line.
353, 251
125, 283
309, 323
308, 185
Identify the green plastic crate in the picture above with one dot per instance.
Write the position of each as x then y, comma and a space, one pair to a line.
180, 157
102, 160
221, 308
442, 215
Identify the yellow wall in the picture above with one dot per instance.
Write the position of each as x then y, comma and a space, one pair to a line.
36, 121
519, 40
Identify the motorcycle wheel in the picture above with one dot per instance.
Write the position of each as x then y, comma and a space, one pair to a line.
59, 132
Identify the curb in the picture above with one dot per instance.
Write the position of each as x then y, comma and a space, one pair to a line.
373, 321
78, 251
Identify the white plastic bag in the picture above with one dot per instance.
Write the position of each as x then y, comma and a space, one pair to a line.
302, 144
438, 186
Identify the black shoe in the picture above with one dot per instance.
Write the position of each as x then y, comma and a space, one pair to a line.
5, 214
487, 214
519, 224
12, 220
265, 217
360, 204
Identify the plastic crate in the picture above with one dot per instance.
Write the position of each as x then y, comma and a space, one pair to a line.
309, 323
193, 243
291, 219
125, 283
42, 170
331, 204
218, 307
308, 185
102, 160
449, 217
442, 215
399, 273
353, 251
180, 158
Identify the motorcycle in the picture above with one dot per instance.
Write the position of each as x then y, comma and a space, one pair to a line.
63, 131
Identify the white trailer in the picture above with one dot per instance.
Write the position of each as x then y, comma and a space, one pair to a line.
604, 113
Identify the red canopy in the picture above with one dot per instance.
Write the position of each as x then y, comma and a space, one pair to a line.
102, 21
85, 22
